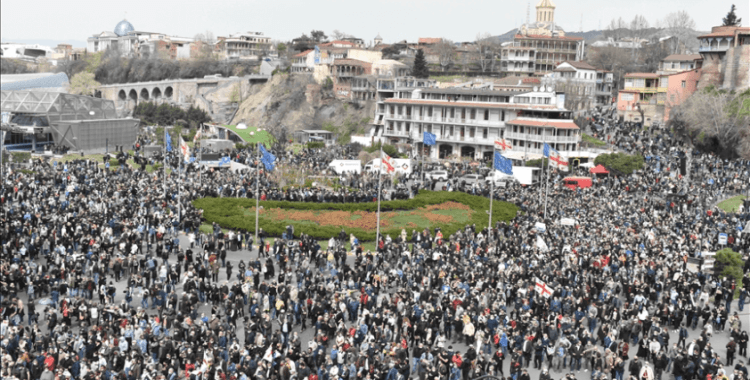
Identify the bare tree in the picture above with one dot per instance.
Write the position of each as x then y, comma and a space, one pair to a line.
679, 24
205, 43
486, 48
715, 118
616, 29
446, 51
638, 26
339, 35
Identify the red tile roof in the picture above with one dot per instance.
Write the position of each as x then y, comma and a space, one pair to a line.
337, 42
559, 124
471, 105
642, 75
304, 53
426, 40
349, 61
537, 36
725, 33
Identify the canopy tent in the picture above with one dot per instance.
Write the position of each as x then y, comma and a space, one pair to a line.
599, 169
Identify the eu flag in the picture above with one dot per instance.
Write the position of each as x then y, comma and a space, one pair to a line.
503, 164
267, 158
429, 138
168, 139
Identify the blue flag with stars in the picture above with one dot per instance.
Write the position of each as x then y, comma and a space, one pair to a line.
546, 150
429, 138
267, 158
224, 161
503, 164
168, 139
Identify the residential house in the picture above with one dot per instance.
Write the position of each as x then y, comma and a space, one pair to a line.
677, 63
577, 80
680, 86
643, 93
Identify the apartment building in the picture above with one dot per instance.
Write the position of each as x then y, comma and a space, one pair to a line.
528, 135
466, 122
643, 93
677, 63
726, 58
244, 46
536, 55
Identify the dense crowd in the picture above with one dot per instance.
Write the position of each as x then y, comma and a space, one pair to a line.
106, 275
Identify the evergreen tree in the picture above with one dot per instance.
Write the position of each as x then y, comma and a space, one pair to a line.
731, 19
420, 65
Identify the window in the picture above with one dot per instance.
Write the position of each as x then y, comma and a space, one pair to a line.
429, 111
683, 84
473, 114
484, 133
486, 114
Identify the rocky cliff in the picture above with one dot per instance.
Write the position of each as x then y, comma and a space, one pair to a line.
295, 102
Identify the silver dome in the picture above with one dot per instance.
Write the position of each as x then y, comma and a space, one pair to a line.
123, 28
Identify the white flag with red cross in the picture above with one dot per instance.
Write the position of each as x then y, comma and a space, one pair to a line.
543, 289
388, 163
503, 144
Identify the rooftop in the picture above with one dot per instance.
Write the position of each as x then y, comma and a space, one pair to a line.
427, 40
642, 75
580, 65
466, 91
682, 57
538, 36
472, 104
559, 124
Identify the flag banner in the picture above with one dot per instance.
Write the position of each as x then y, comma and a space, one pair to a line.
224, 161
429, 138
543, 289
546, 150
168, 140
504, 165
555, 159
502, 144
184, 149
197, 136
267, 158
389, 164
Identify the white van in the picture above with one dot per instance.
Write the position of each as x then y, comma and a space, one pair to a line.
346, 166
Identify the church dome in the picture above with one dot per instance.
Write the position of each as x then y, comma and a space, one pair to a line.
123, 28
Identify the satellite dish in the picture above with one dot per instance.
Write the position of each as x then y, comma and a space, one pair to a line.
241, 126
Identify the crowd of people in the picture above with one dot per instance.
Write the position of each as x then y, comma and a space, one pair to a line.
105, 274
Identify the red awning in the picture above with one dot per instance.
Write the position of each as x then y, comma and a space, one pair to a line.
599, 169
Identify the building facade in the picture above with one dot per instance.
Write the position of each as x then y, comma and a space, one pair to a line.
244, 46
537, 55
726, 57
677, 63
132, 43
642, 99
466, 122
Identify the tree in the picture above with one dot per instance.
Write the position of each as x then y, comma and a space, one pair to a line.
318, 36
486, 49
420, 65
390, 52
303, 43
679, 24
446, 52
624, 163
71, 67
83, 84
715, 121
281, 48
638, 27
339, 35
616, 29
731, 19
13, 66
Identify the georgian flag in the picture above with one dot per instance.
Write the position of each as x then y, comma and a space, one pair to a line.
502, 144
543, 289
390, 166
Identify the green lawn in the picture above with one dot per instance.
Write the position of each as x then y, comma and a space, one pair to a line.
257, 137
592, 140
731, 204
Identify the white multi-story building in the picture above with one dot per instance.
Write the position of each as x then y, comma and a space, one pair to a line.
467, 122
241, 46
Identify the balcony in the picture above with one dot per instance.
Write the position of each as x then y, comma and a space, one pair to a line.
646, 90
395, 132
519, 70
714, 49
540, 138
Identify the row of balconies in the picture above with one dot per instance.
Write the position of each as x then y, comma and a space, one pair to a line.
541, 138
439, 119
455, 137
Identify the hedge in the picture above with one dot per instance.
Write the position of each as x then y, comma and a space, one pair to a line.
230, 213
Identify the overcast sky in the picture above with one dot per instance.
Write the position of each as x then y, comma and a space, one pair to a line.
459, 20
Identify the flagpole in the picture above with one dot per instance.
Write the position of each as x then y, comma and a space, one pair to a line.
257, 194
166, 136
546, 187
423, 169
492, 188
380, 191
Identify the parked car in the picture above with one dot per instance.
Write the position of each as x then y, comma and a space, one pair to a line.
440, 175
471, 179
